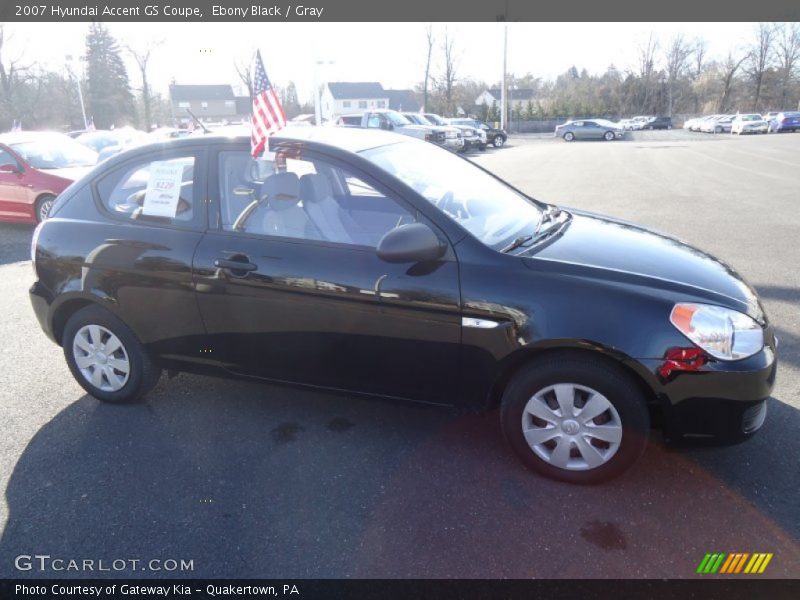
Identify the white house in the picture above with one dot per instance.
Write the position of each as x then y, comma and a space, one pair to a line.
345, 97
517, 98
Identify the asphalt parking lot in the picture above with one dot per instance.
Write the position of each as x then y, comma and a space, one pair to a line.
253, 480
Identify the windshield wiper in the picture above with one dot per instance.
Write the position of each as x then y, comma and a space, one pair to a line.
550, 213
523, 239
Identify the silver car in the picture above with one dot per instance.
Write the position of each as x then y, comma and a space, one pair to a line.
589, 129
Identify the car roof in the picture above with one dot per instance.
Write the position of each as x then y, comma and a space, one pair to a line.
20, 137
345, 138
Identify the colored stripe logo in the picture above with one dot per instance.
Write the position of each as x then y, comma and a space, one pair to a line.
734, 562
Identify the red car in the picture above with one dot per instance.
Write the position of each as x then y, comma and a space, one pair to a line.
35, 167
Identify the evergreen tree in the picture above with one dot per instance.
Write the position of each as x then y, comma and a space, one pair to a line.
109, 99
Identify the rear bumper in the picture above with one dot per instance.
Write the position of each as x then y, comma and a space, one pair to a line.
41, 299
721, 403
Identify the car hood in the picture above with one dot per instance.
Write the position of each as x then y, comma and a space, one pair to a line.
68, 173
631, 253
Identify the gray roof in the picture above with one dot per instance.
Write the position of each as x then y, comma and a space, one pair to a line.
350, 90
187, 93
403, 100
518, 94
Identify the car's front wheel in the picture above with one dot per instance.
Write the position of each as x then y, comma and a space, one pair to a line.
106, 357
569, 136
499, 140
575, 419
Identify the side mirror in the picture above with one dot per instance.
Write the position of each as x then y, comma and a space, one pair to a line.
412, 243
10, 168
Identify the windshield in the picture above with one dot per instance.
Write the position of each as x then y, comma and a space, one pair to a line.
420, 120
56, 152
435, 119
397, 118
486, 207
750, 117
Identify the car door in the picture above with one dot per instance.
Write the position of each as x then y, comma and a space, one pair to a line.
592, 131
13, 190
295, 291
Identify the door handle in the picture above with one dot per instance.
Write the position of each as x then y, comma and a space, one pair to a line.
243, 266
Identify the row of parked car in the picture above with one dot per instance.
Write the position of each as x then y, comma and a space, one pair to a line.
772, 122
457, 134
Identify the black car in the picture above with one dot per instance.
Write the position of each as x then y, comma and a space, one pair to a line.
494, 136
659, 123
375, 264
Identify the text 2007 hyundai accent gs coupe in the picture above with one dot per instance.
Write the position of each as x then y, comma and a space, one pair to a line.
371, 263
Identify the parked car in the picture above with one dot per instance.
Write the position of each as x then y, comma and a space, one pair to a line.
719, 124
472, 136
494, 136
636, 122
107, 142
589, 129
453, 138
700, 121
391, 120
34, 168
784, 121
658, 123
749, 123
769, 116
381, 265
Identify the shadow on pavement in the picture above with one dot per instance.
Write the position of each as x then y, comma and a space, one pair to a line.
15, 242
252, 480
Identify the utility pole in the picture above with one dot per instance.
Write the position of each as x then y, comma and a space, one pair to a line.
80, 92
317, 98
503, 99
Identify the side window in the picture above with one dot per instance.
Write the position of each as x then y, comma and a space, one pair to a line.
578, 123
7, 159
160, 191
374, 121
304, 198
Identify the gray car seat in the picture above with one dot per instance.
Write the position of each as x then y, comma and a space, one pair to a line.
324, 212
283, 215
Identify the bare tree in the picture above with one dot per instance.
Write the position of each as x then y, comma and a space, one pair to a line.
12, 75
728, 72
142, 57
449, 75
245, 72
677, 59
788, 56
758, 59
647, 67
699, 51
431, 40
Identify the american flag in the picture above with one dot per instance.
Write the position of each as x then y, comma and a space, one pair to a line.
268, 116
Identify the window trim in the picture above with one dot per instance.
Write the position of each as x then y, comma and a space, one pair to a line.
215, 202
199, 221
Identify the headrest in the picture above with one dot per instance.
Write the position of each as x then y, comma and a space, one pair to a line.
281, 190
314, 187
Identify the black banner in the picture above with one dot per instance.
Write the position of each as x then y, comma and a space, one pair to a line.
709, 589
396, 11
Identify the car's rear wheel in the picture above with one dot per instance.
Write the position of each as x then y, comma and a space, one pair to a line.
499, 140
608, 136
575, 419
43, 205
106, 357
569, 136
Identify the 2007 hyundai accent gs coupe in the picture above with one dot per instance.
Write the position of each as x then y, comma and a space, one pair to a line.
371, 263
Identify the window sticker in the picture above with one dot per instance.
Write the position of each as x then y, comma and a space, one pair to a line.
163, 189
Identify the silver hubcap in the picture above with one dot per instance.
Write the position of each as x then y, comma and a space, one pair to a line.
44, 209
101, 358
572, 427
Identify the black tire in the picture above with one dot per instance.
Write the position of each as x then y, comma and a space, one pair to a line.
481, 147
499, 141
608, 136
598, 374
143, 374
43, 205
569, 136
